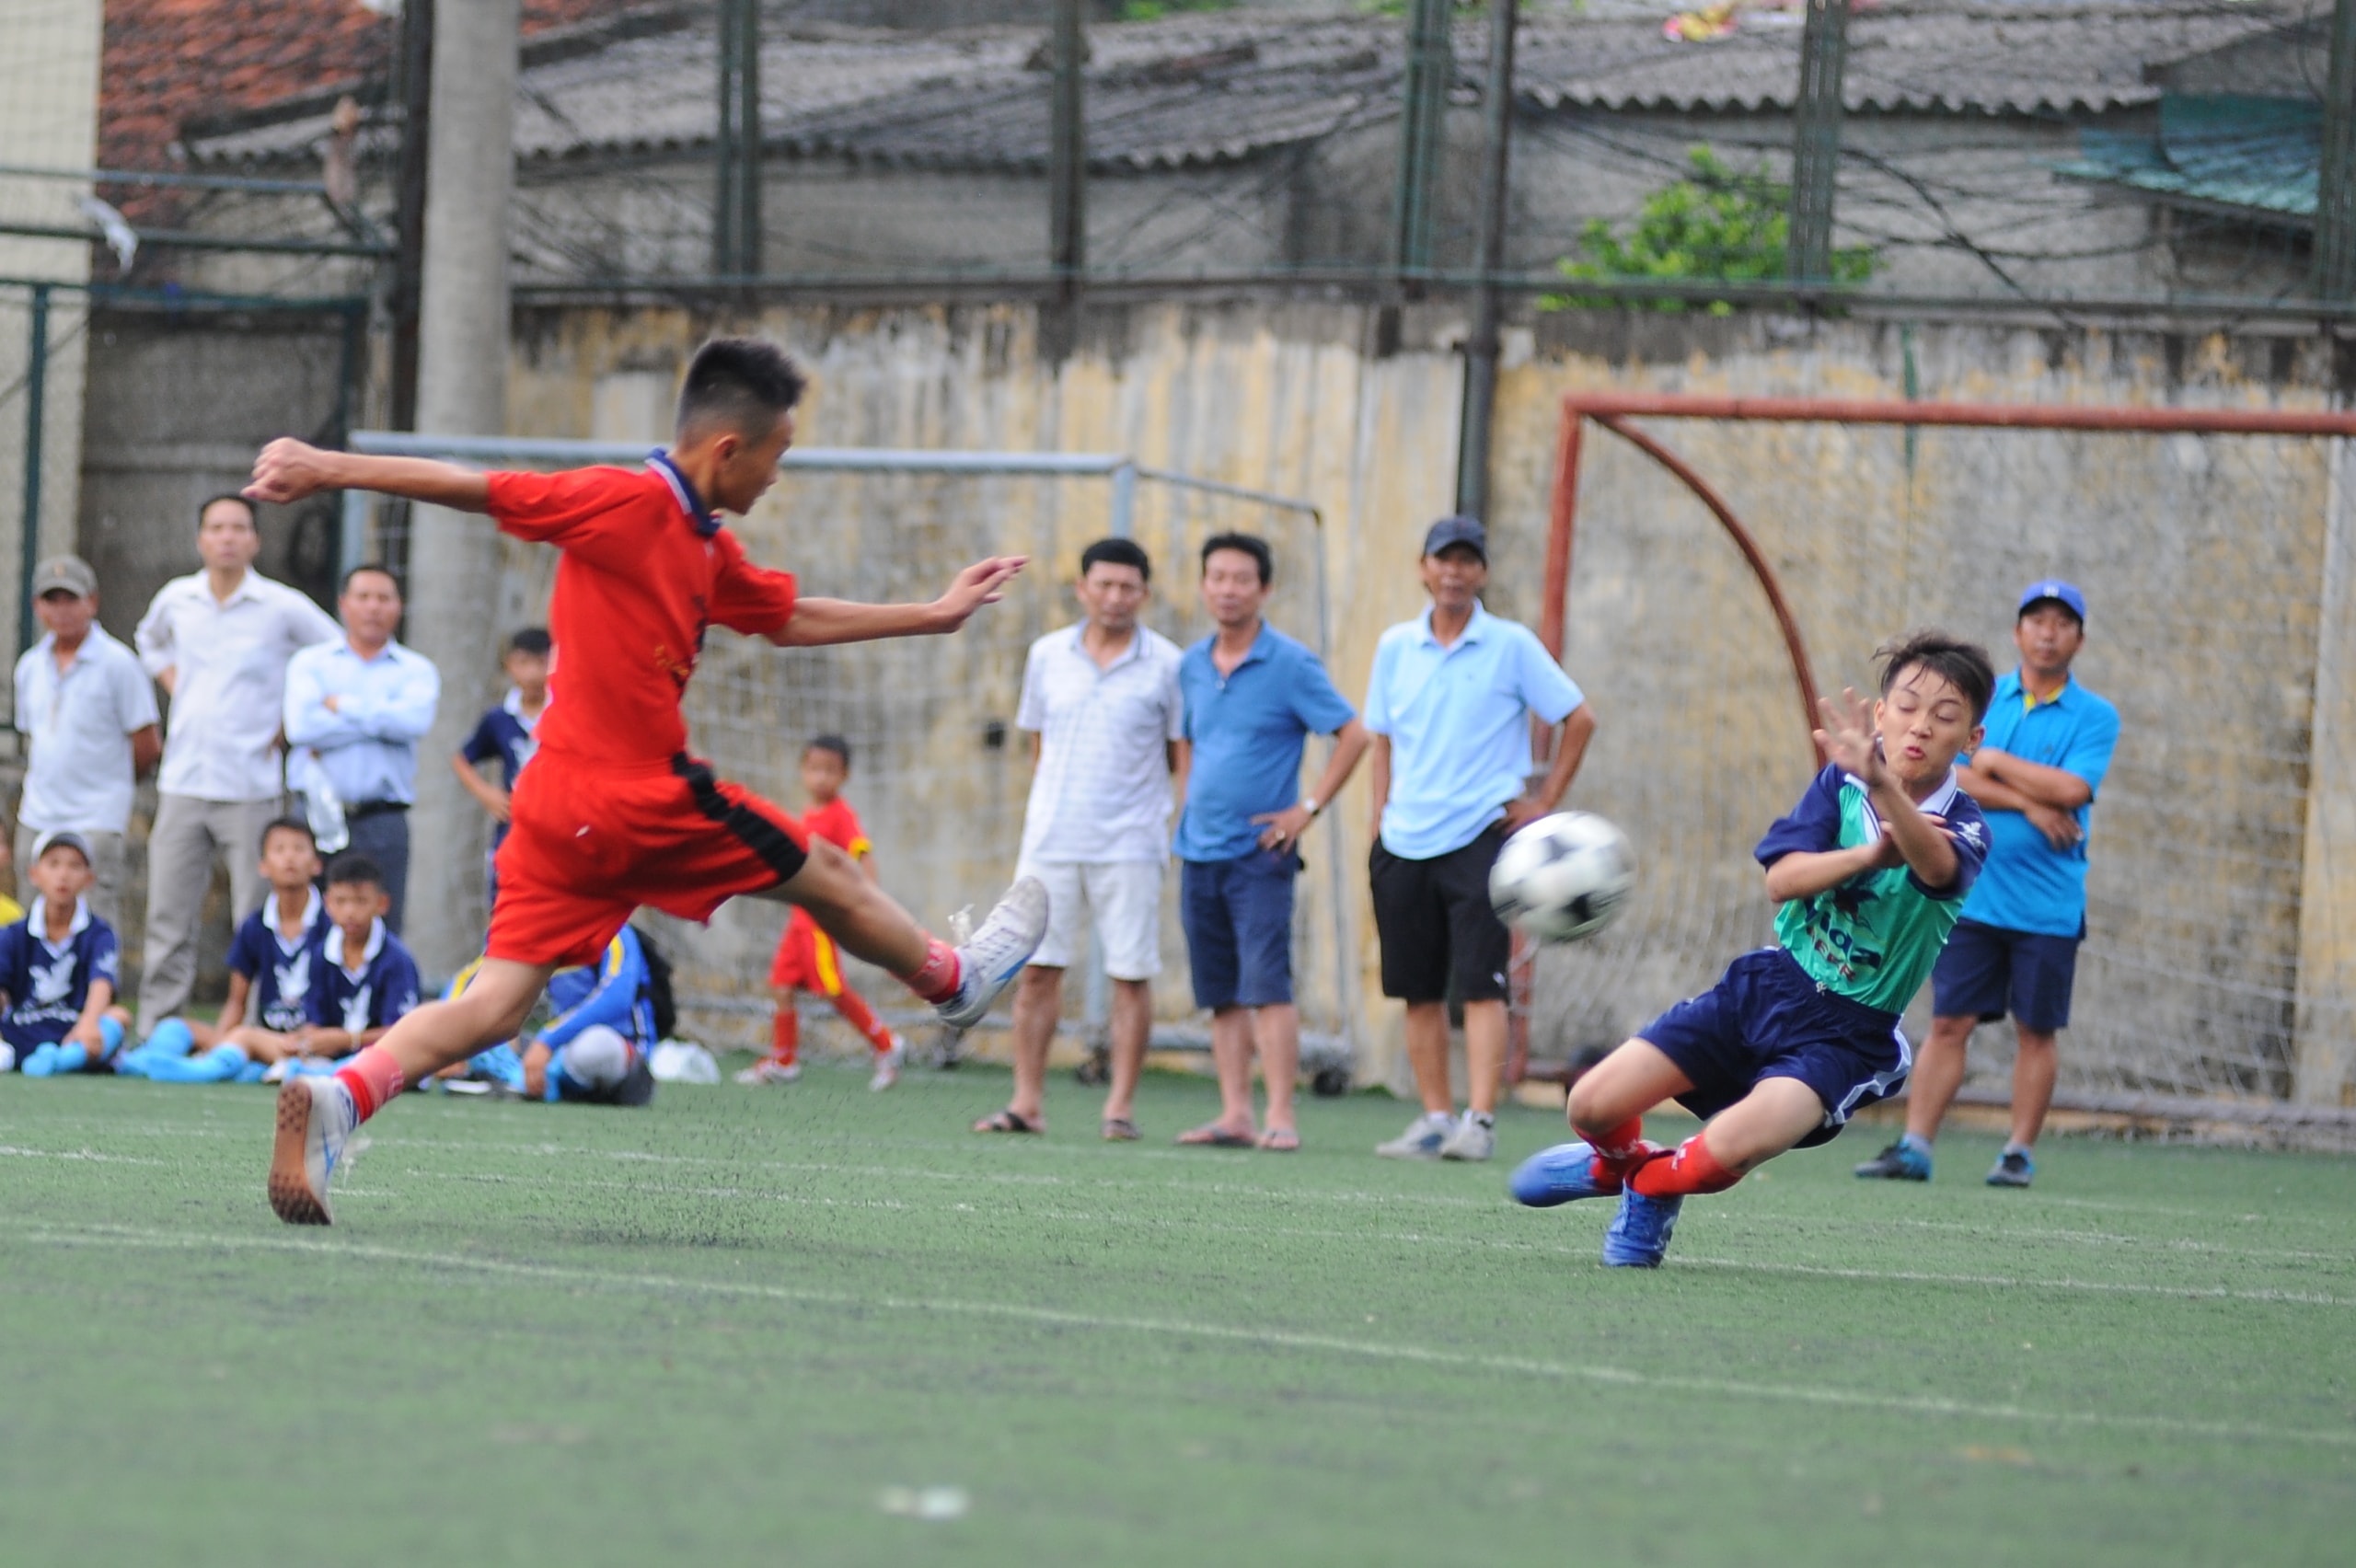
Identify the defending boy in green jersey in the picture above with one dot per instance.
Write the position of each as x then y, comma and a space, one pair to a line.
1869, 870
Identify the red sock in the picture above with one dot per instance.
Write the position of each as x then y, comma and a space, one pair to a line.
1623, 1143
785, 1034
938, 977
855, 1013
373, 1079
1692, 1169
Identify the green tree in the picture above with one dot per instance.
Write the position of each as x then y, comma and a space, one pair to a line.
1718, 223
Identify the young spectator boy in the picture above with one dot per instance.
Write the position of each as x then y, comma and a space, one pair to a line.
57, 971
505, 736
365, 981
596, 1049
1870, 870
806, 960
272, 960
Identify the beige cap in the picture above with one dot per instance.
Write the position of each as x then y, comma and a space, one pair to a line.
70, 572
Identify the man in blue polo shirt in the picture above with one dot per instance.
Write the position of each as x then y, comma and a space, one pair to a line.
1449, 704
1252, 696
2016, 949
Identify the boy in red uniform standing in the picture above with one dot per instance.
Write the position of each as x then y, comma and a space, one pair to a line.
806, 959
614, 812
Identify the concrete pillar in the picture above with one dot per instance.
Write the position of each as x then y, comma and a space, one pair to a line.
462, 390
2324, 1068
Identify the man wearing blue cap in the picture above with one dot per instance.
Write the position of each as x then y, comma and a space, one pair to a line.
2016, 949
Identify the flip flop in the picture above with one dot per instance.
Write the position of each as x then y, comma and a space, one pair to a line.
1280, 1140
1120, 1129
1210, 1134
1007, 1122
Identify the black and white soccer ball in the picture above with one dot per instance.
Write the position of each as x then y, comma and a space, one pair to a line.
1563, 877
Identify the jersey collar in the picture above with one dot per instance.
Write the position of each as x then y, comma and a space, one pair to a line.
706, 522
37, 922
314, 910
1937, 803
367, 955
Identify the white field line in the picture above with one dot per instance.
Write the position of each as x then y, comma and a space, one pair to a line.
12, 1152
1271, 1339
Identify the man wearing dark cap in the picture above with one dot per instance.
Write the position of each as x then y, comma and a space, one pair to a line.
88, 714
1449, 706
2016, 949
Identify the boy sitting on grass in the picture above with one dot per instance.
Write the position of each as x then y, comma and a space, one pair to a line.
272, 963
57, 972
363, 981
1870, 870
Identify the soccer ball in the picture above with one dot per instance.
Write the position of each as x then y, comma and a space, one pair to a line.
1563, 877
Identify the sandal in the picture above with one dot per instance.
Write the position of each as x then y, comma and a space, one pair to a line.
1120, 1129
1280, 1140
1210, 1134
1009, 1122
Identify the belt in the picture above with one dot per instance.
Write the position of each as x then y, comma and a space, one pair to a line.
361, 810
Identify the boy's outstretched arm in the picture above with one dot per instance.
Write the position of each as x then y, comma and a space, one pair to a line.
818, 622
288, 470
1849, 740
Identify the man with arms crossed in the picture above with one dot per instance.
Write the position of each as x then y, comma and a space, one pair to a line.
1252, 696
2016, 949
1450, 703
1101, 701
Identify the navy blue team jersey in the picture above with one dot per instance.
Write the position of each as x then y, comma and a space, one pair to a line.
503, 737
48, 984
277, 971
380, 996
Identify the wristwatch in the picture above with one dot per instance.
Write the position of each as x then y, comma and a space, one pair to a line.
1309, 804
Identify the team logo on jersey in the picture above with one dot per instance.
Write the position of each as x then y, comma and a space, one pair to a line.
293, 977
1971, 831
53, 987
355, 1010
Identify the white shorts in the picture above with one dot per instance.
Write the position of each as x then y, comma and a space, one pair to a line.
1125, 898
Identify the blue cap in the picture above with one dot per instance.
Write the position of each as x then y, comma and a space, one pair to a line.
2059, 591
1457, 531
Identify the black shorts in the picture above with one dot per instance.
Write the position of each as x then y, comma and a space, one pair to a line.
1435, 923
1985, 972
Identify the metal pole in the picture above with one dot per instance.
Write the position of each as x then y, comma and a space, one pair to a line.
1067, 154
736, 226
2335, 244
36, 386
409, 213
1481, 353
1816, 145
1423, 106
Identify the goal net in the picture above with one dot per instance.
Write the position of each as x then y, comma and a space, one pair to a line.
2210, 545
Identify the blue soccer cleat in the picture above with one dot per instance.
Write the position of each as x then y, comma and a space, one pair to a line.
1639, 1235
1561, 1175
2014, 1167
1905, 1160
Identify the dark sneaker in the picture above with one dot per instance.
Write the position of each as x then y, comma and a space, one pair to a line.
1901, 1162
2012, 1168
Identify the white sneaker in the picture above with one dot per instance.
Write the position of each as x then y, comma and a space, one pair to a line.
1422, 1139
1471, 1139
887, 1066
315, 1120
994, 955
768, 1070
278, 1070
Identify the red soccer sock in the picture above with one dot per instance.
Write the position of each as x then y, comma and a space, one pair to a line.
855, 1013
373, 1079
938, 977
1623, 1143
785, 1034
1691, 1169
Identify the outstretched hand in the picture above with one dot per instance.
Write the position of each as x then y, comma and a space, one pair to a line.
288, 469
1848, 739
984, 583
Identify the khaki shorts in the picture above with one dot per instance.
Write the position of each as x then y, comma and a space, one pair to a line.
1125, 896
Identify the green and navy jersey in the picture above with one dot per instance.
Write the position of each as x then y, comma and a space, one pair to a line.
1874, 937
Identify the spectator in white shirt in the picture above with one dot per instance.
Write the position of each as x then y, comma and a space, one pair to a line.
90, 714
1101, 702
217, 641
356, 710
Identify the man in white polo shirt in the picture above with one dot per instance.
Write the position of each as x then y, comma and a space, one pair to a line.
1101, 702
90, 714
218, 642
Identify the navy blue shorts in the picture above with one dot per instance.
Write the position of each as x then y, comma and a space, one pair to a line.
1766, 1018
1238, 916
1986, 972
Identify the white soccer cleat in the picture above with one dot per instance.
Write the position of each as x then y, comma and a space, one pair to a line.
769, 1070
994, 955
315, 1122
887, 1066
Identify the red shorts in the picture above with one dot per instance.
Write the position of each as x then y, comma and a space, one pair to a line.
806, 959
591, 843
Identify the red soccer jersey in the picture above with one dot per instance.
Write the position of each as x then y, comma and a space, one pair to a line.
837, 824
644, 574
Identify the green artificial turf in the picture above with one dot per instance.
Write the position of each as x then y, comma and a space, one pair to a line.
769, 1327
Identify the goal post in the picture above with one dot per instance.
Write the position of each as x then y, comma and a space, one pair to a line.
2220, 963
940, 775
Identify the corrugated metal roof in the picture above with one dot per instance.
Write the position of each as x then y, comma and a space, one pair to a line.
1214, 89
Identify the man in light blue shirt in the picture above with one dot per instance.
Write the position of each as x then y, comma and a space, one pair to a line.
356, 710
1449, 704
2015, 950
1253, 696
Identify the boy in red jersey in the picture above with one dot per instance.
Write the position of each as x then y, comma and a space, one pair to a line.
614, 812
806, 960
